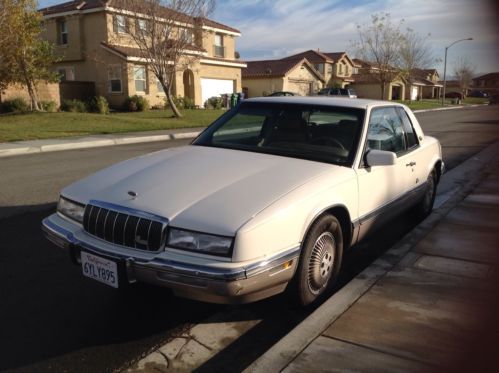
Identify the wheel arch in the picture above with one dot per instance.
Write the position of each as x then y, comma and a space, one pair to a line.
342, 214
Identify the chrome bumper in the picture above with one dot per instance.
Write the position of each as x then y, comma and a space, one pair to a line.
242, 284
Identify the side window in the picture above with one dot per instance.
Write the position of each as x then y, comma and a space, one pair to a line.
410, 134
386, 131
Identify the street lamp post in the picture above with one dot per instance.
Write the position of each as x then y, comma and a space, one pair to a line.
445, 66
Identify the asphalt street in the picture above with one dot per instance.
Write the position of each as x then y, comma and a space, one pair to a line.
51, 318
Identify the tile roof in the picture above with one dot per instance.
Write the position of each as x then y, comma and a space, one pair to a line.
488, 76
275, 68
124, 51
80, 5
365, 78
71, 6
136, 52
311, 55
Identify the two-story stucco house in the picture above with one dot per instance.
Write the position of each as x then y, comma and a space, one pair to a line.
91, 40
303, 73
336, 67
368, 81
423, 83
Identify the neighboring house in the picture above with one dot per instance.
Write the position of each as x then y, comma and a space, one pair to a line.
454, 86
261, 78
91, 39
367, 82
336, 67
423, 83
487, 83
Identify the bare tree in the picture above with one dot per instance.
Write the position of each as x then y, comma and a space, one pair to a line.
414, 53
464, 71
379, 43
165, 32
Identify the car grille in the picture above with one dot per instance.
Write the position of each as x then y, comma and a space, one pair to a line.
123, 228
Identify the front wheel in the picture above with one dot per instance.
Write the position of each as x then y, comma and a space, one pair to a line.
320, 259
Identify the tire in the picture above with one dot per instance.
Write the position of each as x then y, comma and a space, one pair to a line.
320, 260
425, 205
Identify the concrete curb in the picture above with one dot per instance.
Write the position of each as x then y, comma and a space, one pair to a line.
447, 108
51, 145
41, 146
458, 183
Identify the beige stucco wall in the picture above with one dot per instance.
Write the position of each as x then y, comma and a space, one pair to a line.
301, 80
208, 42
45, 91
73, 50
373, 90
297, 80
263, 86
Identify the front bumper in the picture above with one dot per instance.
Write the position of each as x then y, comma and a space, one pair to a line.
217, 282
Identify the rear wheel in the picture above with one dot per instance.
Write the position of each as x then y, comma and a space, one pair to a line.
425, 206
320, 259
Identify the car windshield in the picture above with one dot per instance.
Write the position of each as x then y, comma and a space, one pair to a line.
319, 133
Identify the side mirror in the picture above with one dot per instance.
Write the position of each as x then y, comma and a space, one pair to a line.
380, 158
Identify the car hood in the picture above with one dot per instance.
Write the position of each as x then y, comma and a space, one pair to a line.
200, 188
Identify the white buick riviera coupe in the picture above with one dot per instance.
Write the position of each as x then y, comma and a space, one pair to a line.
268, 197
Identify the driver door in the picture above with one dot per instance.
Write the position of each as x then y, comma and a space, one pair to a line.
382, 188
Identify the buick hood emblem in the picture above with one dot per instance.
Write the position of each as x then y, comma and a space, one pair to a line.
132, 194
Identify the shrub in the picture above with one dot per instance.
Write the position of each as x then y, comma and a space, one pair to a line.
184, 102
15, 105
213, 103
97, 104
48, 106
136, 103
73, 106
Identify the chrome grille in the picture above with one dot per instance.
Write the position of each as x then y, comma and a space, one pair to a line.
125, 227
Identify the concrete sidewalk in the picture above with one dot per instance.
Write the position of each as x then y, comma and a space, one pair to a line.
431, 303
73, 143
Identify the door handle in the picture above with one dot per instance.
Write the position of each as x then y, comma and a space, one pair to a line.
411, 164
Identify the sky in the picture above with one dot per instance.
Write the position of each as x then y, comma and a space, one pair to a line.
273, 29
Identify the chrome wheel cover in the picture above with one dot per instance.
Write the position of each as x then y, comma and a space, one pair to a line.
320, 265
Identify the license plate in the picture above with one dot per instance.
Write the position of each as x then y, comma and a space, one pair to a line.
100, 269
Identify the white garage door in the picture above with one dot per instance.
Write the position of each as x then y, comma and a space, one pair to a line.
414, 93
215, 87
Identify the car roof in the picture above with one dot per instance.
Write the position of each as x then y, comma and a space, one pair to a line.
325, 101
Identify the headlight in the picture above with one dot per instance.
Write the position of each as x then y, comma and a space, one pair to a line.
201, 242
70, 209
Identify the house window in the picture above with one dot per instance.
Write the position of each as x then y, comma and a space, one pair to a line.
188, 36
159, 87
63, 32
142, 26
114, 76
66, 73
139, 75
119, 24
319, 67
219, 46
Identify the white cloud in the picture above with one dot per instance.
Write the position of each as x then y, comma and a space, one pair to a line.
278, 28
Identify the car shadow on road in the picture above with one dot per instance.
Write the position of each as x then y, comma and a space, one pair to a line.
53, 317
49, 310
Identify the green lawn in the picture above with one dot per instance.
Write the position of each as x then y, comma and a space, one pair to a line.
56, 125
